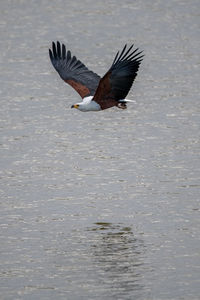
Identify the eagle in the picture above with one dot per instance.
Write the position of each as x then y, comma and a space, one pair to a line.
98, 93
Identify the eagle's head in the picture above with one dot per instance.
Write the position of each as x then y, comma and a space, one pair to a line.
87, 105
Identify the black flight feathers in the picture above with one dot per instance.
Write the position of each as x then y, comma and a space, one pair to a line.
122, 71
70, 68
127, 57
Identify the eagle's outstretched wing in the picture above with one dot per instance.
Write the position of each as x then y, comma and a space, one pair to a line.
73, 71
116, 83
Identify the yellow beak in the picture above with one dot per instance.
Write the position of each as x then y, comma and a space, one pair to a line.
75, 106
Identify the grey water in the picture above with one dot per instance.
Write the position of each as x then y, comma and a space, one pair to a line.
100, 205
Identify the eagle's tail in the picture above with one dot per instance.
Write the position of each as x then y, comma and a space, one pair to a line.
126, 100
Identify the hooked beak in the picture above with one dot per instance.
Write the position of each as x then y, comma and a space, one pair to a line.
75, 106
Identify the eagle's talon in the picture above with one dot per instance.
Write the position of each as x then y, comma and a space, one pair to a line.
122, 105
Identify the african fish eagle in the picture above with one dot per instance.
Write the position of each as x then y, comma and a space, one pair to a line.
98, 93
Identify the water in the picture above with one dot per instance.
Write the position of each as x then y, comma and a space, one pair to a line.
99, 205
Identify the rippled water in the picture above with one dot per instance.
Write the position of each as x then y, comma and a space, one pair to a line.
99, 205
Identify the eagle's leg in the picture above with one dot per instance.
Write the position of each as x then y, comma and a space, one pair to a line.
122, 105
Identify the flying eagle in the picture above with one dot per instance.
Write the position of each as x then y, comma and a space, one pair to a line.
97, 93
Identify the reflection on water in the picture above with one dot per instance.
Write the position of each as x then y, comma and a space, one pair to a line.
119, 255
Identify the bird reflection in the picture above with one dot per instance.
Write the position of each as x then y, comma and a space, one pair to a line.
119, 258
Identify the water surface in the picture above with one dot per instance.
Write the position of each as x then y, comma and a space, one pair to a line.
99, 205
